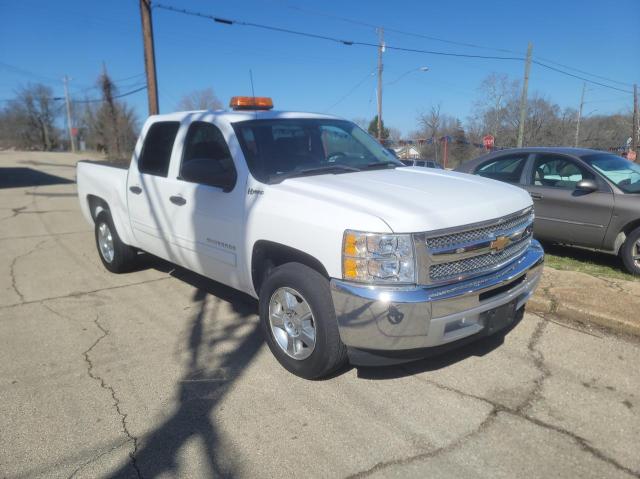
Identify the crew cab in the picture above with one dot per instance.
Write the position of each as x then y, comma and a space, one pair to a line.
352, 255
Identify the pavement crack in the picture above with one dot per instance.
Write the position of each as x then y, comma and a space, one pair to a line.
12, 270
96, 457
538, 362
491, 417
116, 400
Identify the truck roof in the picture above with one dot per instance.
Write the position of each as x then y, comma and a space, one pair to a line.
232, 116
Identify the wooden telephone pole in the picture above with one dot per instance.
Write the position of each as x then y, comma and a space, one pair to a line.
380, 67
149, 56
584, 87
523, 99
69, 125
636, 127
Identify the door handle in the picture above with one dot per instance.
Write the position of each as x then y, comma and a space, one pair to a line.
536, 196
177, 200
136, 190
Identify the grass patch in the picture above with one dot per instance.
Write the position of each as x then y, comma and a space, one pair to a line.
584, 261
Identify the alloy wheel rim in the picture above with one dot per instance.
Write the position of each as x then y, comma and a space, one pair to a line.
292, 323
105, 241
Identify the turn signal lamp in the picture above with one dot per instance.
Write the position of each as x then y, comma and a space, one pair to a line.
251, 103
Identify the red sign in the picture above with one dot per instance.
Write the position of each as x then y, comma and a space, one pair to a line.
74, 132
488, 141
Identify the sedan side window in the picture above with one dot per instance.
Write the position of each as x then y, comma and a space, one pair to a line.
506, 168
206, 158
558, 172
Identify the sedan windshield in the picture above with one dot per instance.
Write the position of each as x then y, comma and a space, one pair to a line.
284, 148
620, 171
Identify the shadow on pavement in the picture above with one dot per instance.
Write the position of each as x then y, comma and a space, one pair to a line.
218, 355
23, 177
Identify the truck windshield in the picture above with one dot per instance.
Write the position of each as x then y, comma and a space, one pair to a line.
620, 171
283, 148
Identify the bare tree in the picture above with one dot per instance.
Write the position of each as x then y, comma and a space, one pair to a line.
111, 126
28, 121
394, 134
204, 99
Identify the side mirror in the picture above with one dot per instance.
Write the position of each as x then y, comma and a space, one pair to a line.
587, 186
206, 171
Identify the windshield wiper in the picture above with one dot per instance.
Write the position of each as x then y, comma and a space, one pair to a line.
382, 164
318, 170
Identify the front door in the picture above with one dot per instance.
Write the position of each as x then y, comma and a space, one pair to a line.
563, 213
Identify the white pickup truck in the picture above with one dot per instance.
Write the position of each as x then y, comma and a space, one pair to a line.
352, 255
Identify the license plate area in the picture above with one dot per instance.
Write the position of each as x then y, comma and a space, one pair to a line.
500, 317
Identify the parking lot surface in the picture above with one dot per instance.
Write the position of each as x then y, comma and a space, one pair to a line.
161, 373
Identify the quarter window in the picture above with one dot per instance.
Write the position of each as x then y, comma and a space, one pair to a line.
158, 144
558, 172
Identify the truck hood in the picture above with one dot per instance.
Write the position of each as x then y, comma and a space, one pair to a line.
413, 199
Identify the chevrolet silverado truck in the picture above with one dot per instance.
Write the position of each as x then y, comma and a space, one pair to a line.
353, 256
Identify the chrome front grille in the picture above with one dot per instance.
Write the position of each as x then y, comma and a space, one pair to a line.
479, 234
474, 250
478, 264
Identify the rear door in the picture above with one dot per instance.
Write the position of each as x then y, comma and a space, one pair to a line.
563, 213
147, 187
508, 168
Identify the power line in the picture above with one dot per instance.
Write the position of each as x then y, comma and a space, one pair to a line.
583, 72
353, 89
97, 100
374, 45
579, 77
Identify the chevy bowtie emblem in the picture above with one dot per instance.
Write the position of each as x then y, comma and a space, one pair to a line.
500, 243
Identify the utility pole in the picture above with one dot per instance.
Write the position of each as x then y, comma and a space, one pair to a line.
380, 52
636, 127
523, 99
149, 56
584, 87
69, 126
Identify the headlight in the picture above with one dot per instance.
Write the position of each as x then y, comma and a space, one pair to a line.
376, 258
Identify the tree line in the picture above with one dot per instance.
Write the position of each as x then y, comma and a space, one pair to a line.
32, 121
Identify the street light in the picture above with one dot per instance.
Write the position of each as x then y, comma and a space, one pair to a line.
419, 69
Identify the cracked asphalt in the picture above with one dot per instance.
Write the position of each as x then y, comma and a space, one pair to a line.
160, 373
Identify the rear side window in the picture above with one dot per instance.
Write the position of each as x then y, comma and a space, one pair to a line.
156, 151
507, 168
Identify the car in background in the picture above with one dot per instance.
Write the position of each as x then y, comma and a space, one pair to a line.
423, 163
582, 197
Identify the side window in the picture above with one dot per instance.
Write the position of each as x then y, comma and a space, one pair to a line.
156, 151
206, 158
558, 172
506, 168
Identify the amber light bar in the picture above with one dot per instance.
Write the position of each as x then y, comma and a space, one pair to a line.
251, 103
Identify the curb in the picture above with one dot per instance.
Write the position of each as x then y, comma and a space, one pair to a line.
575, 313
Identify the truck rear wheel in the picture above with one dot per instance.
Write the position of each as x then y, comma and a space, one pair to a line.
116, 256
630, 252
299, 322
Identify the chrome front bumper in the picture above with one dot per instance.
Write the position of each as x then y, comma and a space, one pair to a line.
390, 319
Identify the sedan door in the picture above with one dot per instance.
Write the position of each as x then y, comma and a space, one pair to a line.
563, 212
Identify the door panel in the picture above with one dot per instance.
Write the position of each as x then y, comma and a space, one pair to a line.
147, 190
206, 225
563, 213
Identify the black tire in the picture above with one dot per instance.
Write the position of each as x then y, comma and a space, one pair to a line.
329, 353
124, 255
631, 249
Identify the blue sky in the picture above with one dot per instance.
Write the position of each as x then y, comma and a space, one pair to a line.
45, 40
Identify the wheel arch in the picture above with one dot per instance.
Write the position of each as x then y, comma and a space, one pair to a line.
96, 206
267, 255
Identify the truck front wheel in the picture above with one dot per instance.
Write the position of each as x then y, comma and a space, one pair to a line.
116, 256
299, 322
